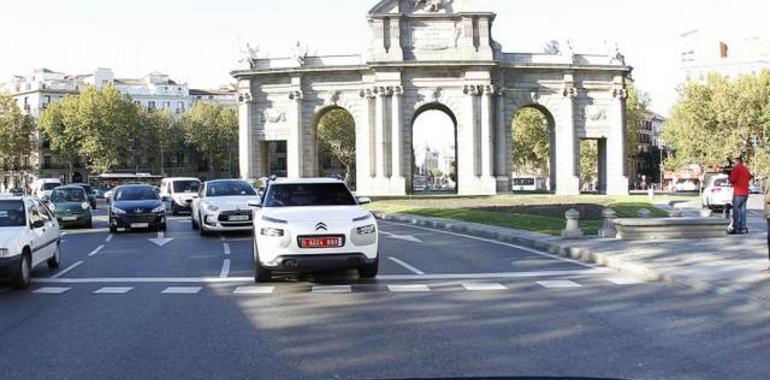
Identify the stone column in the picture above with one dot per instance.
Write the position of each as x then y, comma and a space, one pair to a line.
501, 137
617, 178
364, 171
466, 144
567, 148
396, 135
246, 139
294, 147
380, 119
486, 131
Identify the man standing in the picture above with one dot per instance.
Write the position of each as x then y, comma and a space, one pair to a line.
740, 178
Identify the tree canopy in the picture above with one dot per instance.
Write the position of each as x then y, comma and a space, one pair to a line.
531, 143
17, 133
212, 130
337, 138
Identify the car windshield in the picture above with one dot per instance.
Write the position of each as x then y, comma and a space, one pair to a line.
320, 194
50, 186
136, 193
68, 195
228, 189
722, 182
186, 186
12, 214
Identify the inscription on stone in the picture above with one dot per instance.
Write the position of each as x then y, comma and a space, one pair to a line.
435, 36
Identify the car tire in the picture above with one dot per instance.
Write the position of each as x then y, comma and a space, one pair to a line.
261, 274
201, 227
163, 227
369, 270
55, 261
23, 274
194, 223
113, 229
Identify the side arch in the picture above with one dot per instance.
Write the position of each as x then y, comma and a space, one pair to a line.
449, 178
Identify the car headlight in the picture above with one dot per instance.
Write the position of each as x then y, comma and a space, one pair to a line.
159, 209
119, 211
274, 220
52, 206
3, 252
366, 230
210, 207
85, 206
273, 232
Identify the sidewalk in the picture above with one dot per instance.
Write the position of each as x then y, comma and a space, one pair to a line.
728, 266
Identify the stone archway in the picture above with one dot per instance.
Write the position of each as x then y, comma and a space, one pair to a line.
434, 164
334, 129
532, 131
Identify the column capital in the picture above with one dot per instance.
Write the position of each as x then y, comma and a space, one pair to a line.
245, 97
367, 93
383, 91
569, 91
472, 89
620, 93
296, 95
398, 91
489, 89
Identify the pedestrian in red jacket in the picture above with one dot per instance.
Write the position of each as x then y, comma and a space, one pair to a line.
740, 178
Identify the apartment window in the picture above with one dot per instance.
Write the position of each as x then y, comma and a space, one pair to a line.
179, 107
47, 161
138, 102
151, 105
167, 105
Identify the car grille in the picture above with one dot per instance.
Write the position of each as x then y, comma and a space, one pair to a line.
224, 218
139, 218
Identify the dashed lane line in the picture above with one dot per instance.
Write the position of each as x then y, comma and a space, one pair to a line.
96, 251
480, 287
407, 266
254, 290
225, 269
413, 288
113, 290
332, 289
625, 280
109, 238
182, 290
51, 290
65, 271
560, 284
226, 247
530, 250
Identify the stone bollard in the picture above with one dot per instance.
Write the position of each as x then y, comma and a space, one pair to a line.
651, 194
706, 213
608, 228
572, 230
643, 213
675, 213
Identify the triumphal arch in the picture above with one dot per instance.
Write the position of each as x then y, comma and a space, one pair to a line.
434, 55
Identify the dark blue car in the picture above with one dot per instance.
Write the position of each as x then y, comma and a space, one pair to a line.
137, 207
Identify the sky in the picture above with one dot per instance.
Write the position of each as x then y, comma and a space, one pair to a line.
199, 41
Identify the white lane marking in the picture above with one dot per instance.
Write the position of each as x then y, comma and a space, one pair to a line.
483, 286
225, 269
51, 290
399, 277
161, 240
530, 250
108, 239
226, 248
407, 266
417, 288
222, 238
63, 272
254, 290
401, 237
182, 290
113, 290
559, 284
625, 280
331, 289
96, 251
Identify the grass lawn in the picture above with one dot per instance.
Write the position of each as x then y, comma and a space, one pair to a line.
538, 213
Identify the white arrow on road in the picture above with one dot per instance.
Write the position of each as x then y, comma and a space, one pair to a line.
401, 237
161, 240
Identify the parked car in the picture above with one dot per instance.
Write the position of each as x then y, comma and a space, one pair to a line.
71, 207
718, 193
223, 205
42, 188
685, 186
313, 225
90, 193
755, 188
177, 193
29, 236
137, 207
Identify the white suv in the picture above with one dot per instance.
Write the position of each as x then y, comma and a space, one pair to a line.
313, 225
29, 236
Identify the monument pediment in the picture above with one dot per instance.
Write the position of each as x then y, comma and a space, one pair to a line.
426, 7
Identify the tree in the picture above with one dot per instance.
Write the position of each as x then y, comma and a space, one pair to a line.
163, 137
337, 137
714, 121
531, 143
637, 105
589, 162
59, 125
212, 130
17, 134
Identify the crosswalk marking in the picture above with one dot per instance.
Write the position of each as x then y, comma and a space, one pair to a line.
486, 286
625, 280
182, 290
113, 290
254, 290
51, 290
417, 288
330, 289
558, 284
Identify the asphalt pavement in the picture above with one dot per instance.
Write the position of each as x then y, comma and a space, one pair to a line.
178, 305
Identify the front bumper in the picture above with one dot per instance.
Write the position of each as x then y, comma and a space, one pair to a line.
318, 263
79, 219
127, 220
220, 221
9, 266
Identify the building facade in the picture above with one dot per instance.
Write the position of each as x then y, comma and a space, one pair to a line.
435, 55
703, 55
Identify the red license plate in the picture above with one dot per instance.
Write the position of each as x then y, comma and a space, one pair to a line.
321, 242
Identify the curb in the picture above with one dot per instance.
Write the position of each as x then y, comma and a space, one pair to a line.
557, 246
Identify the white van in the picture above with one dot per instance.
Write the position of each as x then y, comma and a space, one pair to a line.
177, 193
43, 187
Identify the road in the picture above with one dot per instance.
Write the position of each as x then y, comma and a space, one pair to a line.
129, 306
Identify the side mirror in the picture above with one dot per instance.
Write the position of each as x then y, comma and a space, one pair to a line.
255, 204
364, 200
38, 224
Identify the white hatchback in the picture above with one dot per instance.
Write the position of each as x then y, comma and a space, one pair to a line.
311, 226
223, 206
718, 193
29, 236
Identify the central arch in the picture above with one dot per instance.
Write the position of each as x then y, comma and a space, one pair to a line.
335, 144
434, 151
533, 149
